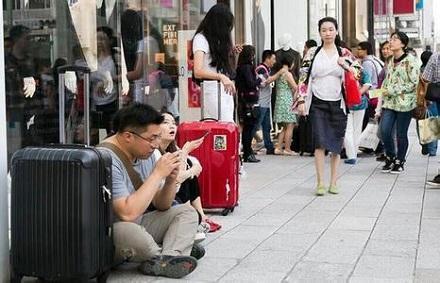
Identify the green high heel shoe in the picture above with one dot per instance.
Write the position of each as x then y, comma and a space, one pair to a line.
333, 190
320, 190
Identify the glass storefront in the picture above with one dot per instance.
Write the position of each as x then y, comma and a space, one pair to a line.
136, 39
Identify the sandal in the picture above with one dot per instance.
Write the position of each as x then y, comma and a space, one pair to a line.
290, 153
213, 226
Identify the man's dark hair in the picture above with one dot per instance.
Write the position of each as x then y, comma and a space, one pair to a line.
311, 43
136, 117
426, 55
365, 45
267, 54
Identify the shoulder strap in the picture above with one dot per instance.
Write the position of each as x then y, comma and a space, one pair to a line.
311, 64
135, 177
378, 61
262, 66
375, 67
339, 50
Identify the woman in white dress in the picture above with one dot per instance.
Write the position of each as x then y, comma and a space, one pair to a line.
214, 61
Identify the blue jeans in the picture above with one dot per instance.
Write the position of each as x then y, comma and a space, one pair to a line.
264, 121
431, 148
401, 121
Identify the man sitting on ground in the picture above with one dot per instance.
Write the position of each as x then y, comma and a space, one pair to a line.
152, 183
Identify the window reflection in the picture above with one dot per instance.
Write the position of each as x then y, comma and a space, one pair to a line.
42, 35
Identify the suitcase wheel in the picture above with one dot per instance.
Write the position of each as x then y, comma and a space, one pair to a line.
103, 277
15, 278
227, 210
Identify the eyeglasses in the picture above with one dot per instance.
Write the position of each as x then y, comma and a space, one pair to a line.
149, 140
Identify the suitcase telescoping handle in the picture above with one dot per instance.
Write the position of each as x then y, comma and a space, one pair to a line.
61, 94
219, 101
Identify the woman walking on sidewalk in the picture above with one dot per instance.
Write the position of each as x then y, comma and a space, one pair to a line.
399, 99
321, 96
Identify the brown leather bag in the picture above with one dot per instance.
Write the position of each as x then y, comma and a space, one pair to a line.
419, 112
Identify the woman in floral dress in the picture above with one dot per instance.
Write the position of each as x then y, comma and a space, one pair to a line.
284, 115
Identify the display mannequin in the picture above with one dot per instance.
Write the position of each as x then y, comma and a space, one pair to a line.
284, 41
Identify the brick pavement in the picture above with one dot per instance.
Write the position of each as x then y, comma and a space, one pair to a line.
380, 228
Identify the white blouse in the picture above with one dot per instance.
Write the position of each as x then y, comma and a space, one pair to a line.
326, 77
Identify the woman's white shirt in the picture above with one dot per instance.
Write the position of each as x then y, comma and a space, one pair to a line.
326, 77
210, 88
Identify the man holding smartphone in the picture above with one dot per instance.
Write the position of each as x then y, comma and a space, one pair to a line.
139, 182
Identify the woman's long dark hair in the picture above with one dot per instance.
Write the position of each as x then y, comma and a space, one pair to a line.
131, 32
335, 23
247, 55
216, 27
381, 45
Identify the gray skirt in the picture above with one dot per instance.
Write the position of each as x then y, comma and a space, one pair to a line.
328, 123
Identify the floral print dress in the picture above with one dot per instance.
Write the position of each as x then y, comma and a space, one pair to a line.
283, 103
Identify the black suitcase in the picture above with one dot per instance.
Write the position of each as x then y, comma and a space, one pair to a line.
61, 212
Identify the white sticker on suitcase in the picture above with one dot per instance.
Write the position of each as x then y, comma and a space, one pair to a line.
220, 142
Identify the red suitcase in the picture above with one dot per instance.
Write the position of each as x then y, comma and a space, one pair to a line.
219, 157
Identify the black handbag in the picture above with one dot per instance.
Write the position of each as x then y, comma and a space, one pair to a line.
251, 111
433, 92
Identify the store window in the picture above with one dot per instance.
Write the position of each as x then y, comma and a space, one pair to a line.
139, 38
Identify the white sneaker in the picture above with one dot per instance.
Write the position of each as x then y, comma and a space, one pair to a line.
199, 237
203, 227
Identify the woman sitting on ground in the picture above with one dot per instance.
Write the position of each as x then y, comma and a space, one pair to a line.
188, 192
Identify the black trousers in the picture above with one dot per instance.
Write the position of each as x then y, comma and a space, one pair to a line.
189, 191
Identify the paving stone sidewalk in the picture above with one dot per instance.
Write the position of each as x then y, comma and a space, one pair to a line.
380, 228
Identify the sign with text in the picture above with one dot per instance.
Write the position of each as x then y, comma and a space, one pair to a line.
169, 34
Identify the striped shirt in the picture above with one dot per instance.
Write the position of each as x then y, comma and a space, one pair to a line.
432, 69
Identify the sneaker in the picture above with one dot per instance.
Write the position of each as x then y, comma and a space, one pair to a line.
398, 167
389, 163
199, 237
168, 266
320, 190
203, 227
333, 190
434, 182
197, 251
350, 161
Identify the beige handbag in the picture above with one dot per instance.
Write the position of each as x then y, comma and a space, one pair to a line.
429, 129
